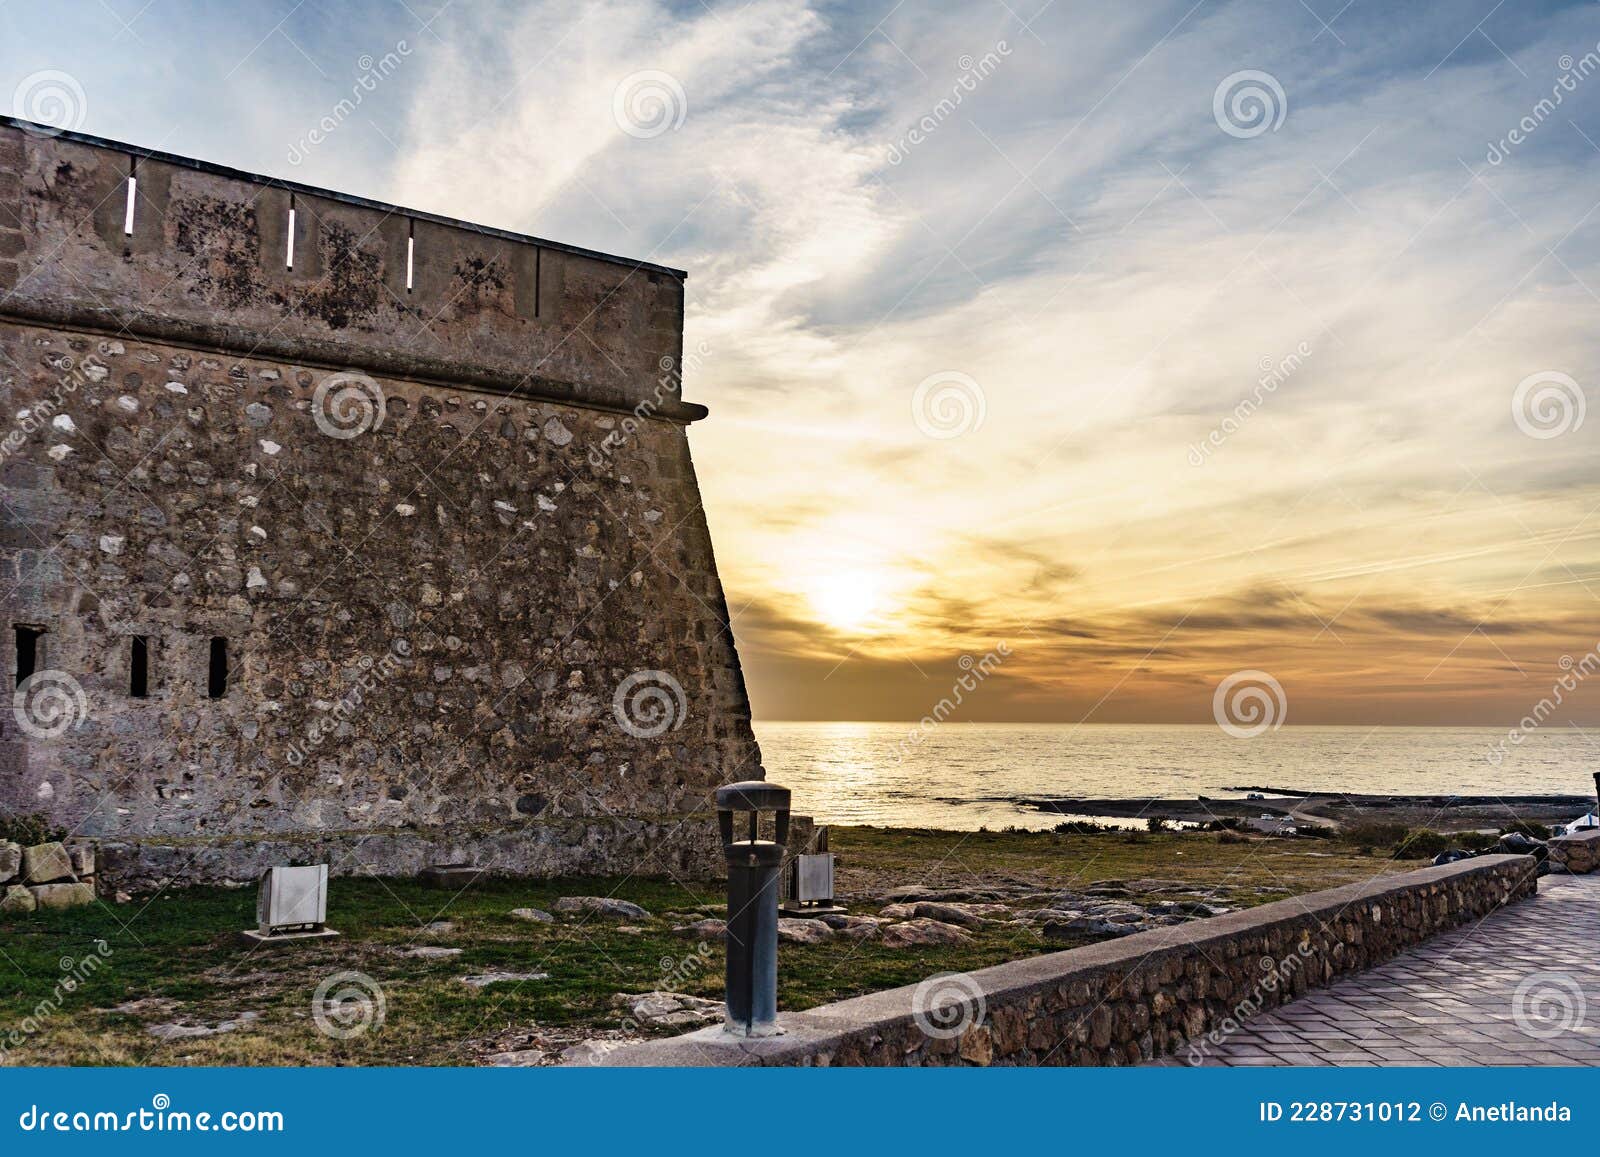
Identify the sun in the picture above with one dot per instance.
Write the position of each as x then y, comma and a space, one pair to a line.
846, 601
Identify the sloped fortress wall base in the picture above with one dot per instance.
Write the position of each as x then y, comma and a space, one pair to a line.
339, 531
1171, 990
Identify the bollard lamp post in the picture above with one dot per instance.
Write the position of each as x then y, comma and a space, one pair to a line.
753, 869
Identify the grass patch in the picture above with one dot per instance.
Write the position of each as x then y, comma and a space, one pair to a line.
175, 959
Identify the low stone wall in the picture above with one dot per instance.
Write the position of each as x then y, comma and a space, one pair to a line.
1578, 853
1124, 1001
50, 875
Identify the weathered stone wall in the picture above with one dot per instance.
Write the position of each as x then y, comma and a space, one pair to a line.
48, 875
433, 593
1578, 853
1128, 1000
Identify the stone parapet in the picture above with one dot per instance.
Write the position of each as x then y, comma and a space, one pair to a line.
1177, 989
1578, 853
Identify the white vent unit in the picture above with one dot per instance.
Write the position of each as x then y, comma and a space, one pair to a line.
292, 906
811, 881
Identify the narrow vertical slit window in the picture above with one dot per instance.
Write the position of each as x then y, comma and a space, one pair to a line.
217, 676
139, 667
411, 255
288, 257
538, 278
28, 648
133, 196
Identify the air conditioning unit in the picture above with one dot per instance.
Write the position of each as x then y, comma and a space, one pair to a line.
810, 891
292, 906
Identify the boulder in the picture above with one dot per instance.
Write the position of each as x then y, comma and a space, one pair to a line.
803, 931
532, 915
602, 906
898, 911
430, 952
54, 896
484, 979
1080, 926
670, 1009
859, 927
922, 932
46, 864
17, 899
702, 930
82, 857
965, 915
516, 1059
590, 1052
10, 860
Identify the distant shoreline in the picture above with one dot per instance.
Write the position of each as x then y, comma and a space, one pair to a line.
1448, 813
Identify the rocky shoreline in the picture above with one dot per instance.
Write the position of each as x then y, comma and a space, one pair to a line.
1441, 812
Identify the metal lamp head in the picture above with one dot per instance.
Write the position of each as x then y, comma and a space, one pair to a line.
753, 796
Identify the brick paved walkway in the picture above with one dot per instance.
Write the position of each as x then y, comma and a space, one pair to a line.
1521, 988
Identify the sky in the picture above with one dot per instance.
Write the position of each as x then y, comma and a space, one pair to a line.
1101, 354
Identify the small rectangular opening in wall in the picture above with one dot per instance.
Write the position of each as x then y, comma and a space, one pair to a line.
217, 676
139, 667
411, 256
28, 648
288, 257
133, 196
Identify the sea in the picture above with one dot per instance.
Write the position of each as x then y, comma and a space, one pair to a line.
966, 776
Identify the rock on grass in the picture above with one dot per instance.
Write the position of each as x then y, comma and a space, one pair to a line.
922, 932
602, 906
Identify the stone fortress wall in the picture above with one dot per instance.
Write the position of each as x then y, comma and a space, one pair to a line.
334, 531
